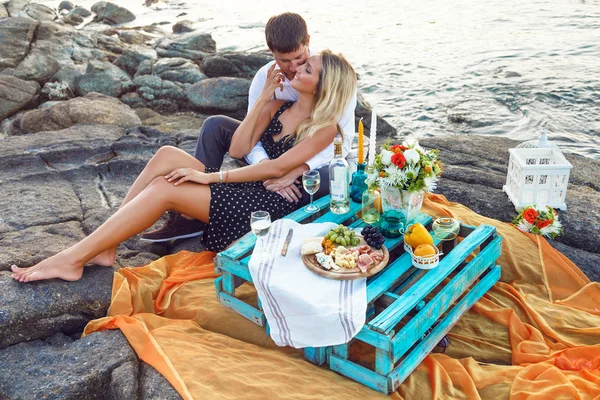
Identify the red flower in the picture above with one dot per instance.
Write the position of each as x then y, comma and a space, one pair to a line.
530, 215
399, 160
543, 223
398, 148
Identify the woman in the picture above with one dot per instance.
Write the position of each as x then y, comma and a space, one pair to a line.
291, 133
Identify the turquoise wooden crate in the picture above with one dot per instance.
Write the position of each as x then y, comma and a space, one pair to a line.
409, 310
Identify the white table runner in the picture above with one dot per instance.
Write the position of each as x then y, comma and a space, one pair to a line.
302, 308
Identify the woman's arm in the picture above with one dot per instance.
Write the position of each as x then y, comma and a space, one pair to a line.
267, 169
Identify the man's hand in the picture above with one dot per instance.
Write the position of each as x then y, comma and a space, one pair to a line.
286, 185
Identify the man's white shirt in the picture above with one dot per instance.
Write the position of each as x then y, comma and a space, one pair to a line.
257, 154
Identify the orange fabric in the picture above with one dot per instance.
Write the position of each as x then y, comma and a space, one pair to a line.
534, 335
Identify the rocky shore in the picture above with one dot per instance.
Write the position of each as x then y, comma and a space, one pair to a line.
82, 110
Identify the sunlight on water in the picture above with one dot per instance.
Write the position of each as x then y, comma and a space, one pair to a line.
505, 68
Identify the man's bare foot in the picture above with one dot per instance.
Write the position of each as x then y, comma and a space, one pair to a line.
106, 258
58, 266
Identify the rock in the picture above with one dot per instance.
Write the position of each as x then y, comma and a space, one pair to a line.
248, 63
124, 381
14, 7
226, 95
133, 37
57, 91
155, 93
65, 5
172, 69
16, 35
363, 110
82, 12
68, 75
84, 369
37, 66
73, 19
38, 12
194, 46
111, 44
103, 77
15, 94
219, 66
91, 109
131, 59
112, 14
3, 11
183, 26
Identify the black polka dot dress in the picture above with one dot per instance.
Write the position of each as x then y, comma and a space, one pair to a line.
232, 203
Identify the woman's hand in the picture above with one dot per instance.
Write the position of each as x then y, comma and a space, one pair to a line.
181, 175
274, 79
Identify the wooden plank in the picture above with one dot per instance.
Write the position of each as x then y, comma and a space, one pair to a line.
394, 313
373, 338
245, 310
383, 362
388, 278
316, 355
414, 358
340, 218
359, 373
228, 285
235, 268
218, 287
342, 350
418, 325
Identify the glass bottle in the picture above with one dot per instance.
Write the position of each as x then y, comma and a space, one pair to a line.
339, 180
358, 185
371, 203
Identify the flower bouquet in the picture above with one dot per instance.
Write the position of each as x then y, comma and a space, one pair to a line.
539, 220
403, 173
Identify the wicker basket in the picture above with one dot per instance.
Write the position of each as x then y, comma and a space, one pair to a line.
423, 262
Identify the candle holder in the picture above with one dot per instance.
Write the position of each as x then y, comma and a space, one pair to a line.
358, 185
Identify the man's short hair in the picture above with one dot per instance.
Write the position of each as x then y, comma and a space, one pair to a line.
286, 32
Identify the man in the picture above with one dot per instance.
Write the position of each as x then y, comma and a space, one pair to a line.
288, 39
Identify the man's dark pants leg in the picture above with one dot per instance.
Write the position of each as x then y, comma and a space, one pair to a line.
215, 139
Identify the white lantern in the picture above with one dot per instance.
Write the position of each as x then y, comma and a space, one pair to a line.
538, 173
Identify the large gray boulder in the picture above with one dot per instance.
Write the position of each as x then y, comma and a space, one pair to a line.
103, 77
184, 26
91, 109
111, 14
38, 12
38, 67
3, 11
172, 69
157, 94
133, 37
14, 7
131, 58
194, 46
15, 94
68, 75
65, 5
16, 35
219, 66
220, 95
248, 63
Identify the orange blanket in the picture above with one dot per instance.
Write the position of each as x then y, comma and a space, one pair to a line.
534, 335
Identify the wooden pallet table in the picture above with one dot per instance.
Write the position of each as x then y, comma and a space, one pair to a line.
409, 310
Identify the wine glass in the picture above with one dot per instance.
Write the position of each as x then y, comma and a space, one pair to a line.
311, 180
260, 223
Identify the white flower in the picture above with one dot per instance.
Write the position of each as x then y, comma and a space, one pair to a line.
386, 157
412, 171
524, 226
552, 229
412, 156
397, 175
430, 183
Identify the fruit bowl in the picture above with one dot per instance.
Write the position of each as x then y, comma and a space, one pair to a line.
423, 262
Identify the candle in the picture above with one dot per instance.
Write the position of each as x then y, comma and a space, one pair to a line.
372, 136
361, 142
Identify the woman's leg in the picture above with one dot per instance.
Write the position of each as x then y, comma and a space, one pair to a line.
165, 160
138, 214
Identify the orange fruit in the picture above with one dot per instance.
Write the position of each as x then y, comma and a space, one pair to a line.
427, 168
425, 250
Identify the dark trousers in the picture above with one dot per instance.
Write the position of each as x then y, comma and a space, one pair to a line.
214, 142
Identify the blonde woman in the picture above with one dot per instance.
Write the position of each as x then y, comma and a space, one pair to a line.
291, 133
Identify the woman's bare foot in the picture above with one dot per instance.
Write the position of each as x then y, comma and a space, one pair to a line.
58, 266
106, 258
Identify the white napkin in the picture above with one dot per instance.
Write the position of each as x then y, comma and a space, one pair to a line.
304, 309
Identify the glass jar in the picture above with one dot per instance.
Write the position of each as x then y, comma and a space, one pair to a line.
371, 203
445, 228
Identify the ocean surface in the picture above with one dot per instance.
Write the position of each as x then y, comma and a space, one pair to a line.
497, 67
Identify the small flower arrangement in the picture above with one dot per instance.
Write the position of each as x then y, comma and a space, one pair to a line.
406, 167
540, 221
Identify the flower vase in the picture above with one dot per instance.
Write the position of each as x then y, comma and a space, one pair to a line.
358, 185
407, 203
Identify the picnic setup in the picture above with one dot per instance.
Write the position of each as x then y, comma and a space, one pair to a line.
401, 293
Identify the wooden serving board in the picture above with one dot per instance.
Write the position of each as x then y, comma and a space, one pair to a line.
343, 274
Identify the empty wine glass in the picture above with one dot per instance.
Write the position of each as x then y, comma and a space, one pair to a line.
260, 223
311, 180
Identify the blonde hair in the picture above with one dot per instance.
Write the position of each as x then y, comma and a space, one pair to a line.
337, 85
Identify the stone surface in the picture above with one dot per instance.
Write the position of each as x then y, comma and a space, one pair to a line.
3, 11
84, 369
65, 5
15, 94
83, 12
91, 109
16, 35
103, 77
154, 386
219, 66
220, 95
37, 66
194, 46
172, 69
133, 37
68, 75
38, 12
131, 59
57, 91
73, 19
157, 94
112, 14
248, 63
183, 26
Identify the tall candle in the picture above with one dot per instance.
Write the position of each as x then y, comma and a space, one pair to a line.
372, 136
361, 142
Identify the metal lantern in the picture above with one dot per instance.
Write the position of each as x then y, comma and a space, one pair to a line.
538, 173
